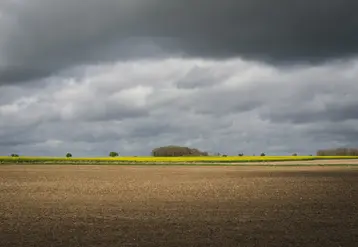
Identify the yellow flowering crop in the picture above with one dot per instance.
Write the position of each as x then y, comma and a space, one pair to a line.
203, 159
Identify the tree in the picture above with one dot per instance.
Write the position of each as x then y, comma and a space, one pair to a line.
14, 155
295, 154
263, 154
68, 155
113, 154
241, 154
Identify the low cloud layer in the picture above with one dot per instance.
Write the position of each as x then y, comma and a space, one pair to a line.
133, 107
39, 38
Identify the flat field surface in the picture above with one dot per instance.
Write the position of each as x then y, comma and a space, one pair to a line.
107, 206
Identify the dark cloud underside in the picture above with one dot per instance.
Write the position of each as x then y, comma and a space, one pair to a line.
41, 37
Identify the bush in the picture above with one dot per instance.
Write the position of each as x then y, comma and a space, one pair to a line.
15, 155
294, 154
68, 155
113, 154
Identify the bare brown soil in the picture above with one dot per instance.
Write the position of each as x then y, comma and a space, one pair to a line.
310, 162
298, 162
107, 206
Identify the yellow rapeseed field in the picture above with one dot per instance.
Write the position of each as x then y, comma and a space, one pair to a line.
205, 159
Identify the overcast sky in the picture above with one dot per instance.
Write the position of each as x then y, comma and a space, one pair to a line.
228, 76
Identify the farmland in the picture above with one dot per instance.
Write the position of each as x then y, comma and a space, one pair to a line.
91, 205
180, 160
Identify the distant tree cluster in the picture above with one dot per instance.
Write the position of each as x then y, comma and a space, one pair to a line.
338, 152
177, 151
15, 155
113, 154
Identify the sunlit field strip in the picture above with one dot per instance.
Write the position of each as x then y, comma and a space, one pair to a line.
206, 159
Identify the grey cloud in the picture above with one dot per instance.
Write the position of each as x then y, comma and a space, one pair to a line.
62, 106
223, 102
332, 113
108, 112
329, 101
42, 37
18, 136
199, 77
135, 106
154, 129
344, 133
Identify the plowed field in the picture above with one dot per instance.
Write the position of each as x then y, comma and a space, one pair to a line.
107, 206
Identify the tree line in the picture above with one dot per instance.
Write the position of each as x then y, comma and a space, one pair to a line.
338, 152
179, 151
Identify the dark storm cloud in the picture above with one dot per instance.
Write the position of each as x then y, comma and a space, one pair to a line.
8, 74
41, 37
